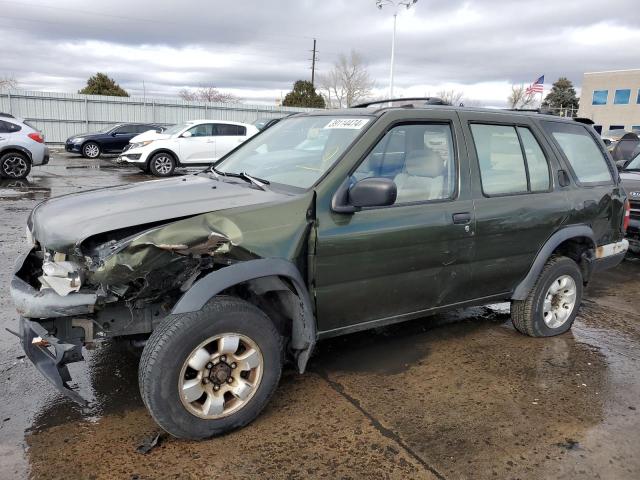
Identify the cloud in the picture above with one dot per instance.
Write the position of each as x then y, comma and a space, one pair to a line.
258, 49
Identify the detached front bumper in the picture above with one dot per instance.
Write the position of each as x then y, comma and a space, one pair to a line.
37, 343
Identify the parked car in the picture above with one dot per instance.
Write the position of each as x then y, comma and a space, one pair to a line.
21, 147
196, 142
232, 271
630, 175
112, 139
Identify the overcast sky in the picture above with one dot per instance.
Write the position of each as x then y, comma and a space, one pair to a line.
257, 48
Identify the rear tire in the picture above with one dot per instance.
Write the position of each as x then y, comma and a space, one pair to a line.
553, 302
14, 165
91, 150
162, 164
172, 373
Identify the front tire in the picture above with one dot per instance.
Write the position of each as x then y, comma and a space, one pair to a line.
208, 372
553, 302
14, 165
162, 164
91, 150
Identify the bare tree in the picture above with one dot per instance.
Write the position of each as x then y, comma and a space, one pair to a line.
8, 82
207, 94
519, 98
451, 97
347, 83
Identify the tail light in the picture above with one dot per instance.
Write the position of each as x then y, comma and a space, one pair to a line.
36, 136
627, 215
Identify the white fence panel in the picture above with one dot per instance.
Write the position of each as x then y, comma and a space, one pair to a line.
60, 115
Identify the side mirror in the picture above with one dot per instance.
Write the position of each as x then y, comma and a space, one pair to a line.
373, 192
186, 135
621, 164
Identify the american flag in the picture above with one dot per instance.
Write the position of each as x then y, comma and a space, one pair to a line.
537, 86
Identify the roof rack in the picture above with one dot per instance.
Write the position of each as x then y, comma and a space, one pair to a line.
428, 101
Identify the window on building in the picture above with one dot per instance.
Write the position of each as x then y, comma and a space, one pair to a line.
622, 96
635, 128
600, 97
638, 98
616, 127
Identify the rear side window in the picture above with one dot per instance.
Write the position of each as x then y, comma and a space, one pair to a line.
585, 158
202, 130
8, 127
511, 160
226, 129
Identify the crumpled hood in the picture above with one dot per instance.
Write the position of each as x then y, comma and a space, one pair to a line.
65, 221
631, 184
149, 135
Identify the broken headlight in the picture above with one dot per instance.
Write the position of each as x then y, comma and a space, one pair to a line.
61, 276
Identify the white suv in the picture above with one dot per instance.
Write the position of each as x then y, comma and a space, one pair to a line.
21, 146
196, 142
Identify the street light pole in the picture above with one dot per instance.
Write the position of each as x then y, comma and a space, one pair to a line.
393, 54
395, 4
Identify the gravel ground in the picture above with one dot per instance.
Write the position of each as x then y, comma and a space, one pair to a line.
461, 395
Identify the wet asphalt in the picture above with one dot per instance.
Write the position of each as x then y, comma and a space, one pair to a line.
461, 395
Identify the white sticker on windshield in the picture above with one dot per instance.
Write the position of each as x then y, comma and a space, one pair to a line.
352, 123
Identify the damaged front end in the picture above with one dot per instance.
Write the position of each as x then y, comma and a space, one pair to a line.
114, 284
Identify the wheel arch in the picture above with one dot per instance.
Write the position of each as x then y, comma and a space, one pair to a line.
267, 275
566, 241
16, 149
163, 150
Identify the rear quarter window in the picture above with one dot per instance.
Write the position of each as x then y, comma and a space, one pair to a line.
586, 160
8, 127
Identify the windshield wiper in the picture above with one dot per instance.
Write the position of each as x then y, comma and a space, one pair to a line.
258, 182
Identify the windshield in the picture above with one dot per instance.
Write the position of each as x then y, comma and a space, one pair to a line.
634, 164
296, 151
176, 128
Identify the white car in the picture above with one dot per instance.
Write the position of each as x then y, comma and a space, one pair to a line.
196, 142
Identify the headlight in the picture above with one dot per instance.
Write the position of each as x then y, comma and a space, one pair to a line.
30, 239
141, 144
77, 140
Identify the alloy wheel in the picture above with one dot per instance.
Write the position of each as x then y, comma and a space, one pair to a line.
163, 164
91, 150
220, 376
15, 167
559, 301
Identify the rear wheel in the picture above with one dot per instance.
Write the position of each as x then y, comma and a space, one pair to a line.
14, 165
207, 372
91, 150
162, 164
552, 304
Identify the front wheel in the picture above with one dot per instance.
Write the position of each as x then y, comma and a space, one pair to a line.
162, 164
208, 372
552, 305
91, 150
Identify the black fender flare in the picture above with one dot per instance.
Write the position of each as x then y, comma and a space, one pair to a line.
303, 331
525, 286
18, 148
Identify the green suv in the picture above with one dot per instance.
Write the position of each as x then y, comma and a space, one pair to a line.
325, 224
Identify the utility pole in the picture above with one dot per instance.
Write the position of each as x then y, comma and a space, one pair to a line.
313, 63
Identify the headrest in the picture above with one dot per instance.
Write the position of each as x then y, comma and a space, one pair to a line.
424, 163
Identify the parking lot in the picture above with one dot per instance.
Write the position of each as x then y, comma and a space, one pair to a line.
461, 395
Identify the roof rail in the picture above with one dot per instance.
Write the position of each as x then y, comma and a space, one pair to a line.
8, 115
428, 101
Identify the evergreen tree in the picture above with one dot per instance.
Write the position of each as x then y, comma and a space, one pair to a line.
303, 95
562, 96
101, 84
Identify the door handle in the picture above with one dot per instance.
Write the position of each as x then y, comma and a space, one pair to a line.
461, 218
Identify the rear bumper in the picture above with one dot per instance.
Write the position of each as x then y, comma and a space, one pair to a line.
610, 255
53, 365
